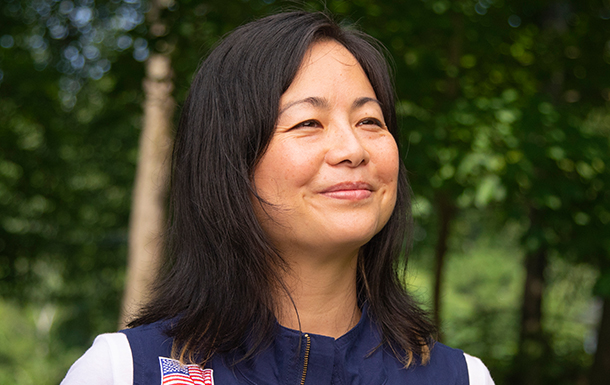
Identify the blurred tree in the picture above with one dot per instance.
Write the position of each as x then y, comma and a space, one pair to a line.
69, 104
556, 156
150, 188
503, 105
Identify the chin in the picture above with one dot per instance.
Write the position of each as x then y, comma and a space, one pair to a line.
350, 237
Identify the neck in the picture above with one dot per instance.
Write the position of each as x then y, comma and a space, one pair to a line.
323, 290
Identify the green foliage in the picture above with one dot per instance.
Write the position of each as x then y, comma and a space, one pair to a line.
67, 143
503, 109
29, 353
483, 289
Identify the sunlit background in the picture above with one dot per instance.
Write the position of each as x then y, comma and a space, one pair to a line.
503, 106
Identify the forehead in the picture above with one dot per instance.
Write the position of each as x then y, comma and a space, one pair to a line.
329, 68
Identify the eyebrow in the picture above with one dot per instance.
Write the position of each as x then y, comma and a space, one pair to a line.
323, 103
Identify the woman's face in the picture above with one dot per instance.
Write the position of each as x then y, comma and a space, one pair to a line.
331, 168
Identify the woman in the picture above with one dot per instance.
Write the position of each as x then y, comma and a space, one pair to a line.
289, 210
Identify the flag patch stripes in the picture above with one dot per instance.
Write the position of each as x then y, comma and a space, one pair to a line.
174, 373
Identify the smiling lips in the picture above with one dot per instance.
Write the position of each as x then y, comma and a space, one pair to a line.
349, 191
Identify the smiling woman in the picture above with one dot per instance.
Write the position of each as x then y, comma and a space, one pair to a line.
330, 170
289, 212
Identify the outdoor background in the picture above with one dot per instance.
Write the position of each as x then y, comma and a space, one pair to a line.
504, 111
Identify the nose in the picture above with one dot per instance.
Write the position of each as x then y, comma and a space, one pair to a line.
346, 147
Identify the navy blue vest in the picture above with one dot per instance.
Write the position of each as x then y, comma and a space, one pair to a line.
318, 360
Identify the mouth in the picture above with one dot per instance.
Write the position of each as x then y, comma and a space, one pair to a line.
349, 191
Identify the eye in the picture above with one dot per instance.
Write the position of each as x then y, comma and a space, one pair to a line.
371, 122
308, 124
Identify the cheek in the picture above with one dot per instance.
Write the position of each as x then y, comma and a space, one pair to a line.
282, 170
388, 170
388, 162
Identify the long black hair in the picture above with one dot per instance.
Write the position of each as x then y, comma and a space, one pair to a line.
221, 269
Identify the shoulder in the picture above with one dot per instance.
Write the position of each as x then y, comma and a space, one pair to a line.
478, 374
453, 366
107, 362
115, 357
447, 365
149, 339
148, 343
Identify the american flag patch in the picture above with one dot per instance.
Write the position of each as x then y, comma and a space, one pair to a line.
174, 373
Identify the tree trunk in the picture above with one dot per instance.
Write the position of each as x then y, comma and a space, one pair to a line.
147, 220
446, 212
150, 188
600, 371
533, 347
